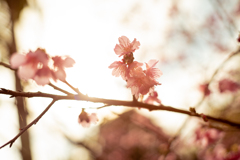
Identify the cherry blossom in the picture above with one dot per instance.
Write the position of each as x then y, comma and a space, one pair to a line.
151, 71
85, 119
29, 64
43, 76
125, 46
153, 97
119, 69
40, 67
60, 63
124, 70
140, 81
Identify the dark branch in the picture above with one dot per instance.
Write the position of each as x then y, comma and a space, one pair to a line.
114, 103
6, 65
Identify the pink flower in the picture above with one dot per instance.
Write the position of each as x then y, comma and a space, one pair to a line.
40, 67
60, 63
119, 69
125, 46
133, 67
85, 119
151, 71
140, 83
152, 97
29, 64
124, 70
43, 76
228, 85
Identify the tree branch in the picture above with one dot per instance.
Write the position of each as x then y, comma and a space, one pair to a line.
6, 65
115, 103
29, 125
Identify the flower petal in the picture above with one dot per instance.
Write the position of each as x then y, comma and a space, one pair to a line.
69, 62
27, 71
124, 41
135, 44
17, 60
60, 74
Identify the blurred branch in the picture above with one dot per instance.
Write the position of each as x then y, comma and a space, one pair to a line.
203, 97
216, 72
223, 10
28, 126
6, 65
82, 144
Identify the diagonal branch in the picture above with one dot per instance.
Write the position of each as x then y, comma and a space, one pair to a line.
59, 89
29, 125
6, 65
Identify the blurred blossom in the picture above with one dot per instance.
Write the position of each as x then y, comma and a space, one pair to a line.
219, 152
40, 67
207, 136
225, 85
85, 119
60, 63
204, 88
132, 136
30, 63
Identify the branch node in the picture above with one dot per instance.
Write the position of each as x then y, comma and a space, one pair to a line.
192, 111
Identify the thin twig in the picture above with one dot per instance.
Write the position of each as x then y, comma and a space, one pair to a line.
29, 125
73, 88
59, 89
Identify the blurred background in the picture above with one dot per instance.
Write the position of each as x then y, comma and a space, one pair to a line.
191, 39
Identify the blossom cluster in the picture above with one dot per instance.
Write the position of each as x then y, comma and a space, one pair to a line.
140, 80
40, 67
